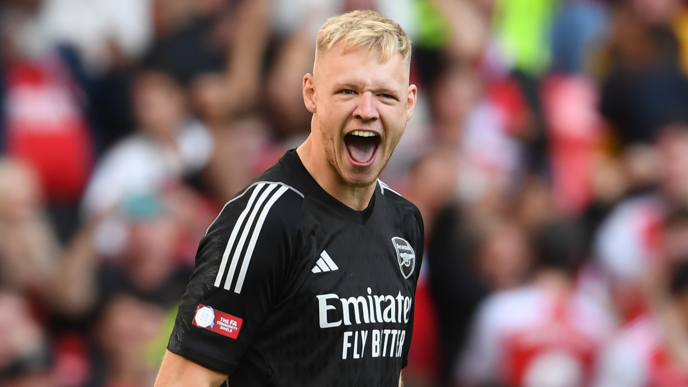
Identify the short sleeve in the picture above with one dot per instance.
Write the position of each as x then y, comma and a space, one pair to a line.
240, 267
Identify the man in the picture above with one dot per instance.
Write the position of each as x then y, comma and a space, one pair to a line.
648, 350
307, 277
544, 334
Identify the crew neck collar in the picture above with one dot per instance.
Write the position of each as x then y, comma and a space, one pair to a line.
292, 160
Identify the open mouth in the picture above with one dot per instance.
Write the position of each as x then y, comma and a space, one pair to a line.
362, 145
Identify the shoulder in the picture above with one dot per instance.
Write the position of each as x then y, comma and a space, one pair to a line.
398, 202
195, 144
272, 201
593, 317
393, 196
254, 236
130, 150
509, 307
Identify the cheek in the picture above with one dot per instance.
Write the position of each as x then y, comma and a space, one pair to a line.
334, 121
394, 123
326, 128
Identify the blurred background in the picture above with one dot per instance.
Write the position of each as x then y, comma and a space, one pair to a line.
548, 155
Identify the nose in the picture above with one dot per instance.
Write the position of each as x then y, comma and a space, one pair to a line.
365, 109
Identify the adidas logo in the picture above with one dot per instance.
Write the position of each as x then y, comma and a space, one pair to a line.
324, 264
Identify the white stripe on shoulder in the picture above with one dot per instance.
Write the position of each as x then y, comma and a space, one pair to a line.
242, 240
384, 186
264, 191
235, 231
245, 191
254, 238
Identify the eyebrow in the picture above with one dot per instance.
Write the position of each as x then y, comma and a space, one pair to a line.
359, 85
348, 85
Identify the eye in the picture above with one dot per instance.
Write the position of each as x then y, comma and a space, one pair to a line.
348, 92
389, 97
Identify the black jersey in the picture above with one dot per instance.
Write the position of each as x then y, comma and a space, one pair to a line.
293, 288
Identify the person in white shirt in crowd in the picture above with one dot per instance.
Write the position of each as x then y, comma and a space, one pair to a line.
543, 334
169, 146
650, 351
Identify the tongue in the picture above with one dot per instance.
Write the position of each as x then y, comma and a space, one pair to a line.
361, 149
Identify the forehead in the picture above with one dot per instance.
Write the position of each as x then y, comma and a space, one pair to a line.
360, 65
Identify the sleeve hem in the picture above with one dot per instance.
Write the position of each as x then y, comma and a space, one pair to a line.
201, 358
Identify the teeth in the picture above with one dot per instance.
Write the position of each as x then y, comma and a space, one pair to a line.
362, 133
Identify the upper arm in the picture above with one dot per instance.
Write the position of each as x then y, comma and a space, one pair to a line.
179, 371
241, 265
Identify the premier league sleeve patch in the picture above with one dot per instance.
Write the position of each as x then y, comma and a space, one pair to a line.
216, 321
405, 256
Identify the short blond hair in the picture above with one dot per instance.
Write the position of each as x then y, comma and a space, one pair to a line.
364, 29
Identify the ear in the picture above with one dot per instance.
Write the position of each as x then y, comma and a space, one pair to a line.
411, 101
308, 91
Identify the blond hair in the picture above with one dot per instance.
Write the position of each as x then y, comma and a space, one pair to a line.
364, 29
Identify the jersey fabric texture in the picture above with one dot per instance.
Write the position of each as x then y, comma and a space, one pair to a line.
293, 288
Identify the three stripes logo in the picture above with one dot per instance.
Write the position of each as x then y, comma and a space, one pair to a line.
324, 264
242, 240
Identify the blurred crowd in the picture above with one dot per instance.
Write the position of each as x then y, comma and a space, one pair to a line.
548, 155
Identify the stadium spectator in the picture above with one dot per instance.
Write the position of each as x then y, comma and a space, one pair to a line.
221, 48
25, 358
629, 239
28, 246
543, 334
650, 350
118, 302
643, 84
169, 147
146, 262
125, 331
43, 120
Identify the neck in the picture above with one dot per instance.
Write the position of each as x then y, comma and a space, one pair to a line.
554, 281
314, 159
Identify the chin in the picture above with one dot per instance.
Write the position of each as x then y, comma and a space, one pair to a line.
361, 183
364, 177
359, 180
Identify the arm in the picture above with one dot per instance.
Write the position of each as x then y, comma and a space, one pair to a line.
470, 28
238, 275
29, 253
246, 50
179, 371
666, 313
74, 285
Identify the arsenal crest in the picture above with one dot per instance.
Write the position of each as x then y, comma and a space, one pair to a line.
405, 256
